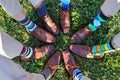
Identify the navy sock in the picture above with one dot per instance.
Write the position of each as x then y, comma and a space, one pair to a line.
41, 10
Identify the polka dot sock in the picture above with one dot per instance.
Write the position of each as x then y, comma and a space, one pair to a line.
28, 24
96, 23
27, 52
100, 49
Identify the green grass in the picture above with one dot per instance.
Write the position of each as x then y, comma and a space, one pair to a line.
82, 12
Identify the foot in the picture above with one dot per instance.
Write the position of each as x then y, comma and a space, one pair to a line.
83, 51
69, 62
49, 24
40, 52
65, 20
54, 61
81, 34
43, 35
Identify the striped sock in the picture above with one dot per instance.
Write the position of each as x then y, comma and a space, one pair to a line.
99, 19
27, 52
28, 24
77, 74
65, 4
100, 49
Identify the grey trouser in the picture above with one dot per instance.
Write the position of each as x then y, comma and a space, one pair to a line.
12, 71
13, 7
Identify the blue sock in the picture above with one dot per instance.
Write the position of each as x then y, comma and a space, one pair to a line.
41, 10
28, 24
96, 23
77, 74
65, 4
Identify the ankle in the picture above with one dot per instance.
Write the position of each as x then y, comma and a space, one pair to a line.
27, 52
77, 74
65, 4
47, 73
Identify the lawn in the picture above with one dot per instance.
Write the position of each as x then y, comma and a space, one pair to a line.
82, 12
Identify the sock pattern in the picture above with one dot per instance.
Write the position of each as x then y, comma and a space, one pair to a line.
28, 24
41, 10
27, 52
77, 74
100, 49
65, 4
99, 19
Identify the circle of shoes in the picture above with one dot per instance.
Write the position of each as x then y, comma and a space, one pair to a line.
45, 36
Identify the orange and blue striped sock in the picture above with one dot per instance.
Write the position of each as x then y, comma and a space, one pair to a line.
100, 49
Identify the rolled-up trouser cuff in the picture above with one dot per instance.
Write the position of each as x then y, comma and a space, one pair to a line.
36, 3
116, 41
12, 7
110, 7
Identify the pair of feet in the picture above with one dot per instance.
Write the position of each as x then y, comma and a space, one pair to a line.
69, 62
54, 61
83, 51
45, 36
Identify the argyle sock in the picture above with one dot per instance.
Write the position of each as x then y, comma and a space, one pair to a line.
47, 73
65, 4
77, 74
27, 52
96, 23
28, 24
100, 49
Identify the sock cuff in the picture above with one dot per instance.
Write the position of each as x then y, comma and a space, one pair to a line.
24, 20
111, 44
103, 16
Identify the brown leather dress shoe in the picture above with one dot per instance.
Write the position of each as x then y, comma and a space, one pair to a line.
43, 35
54, 61
40, 52
69, 62
81, 34
65, 20
49, 24
83, 51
